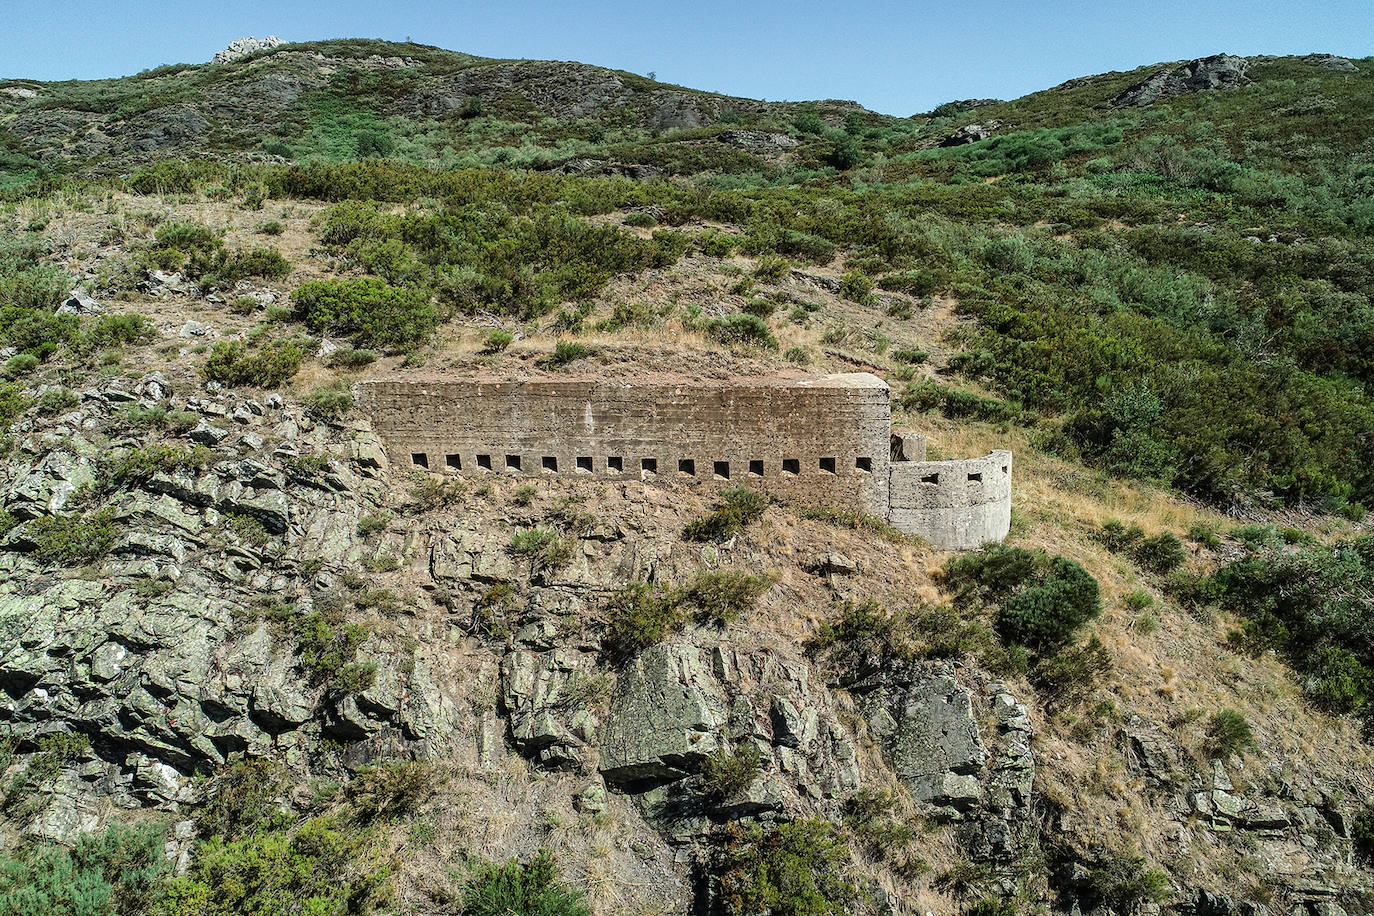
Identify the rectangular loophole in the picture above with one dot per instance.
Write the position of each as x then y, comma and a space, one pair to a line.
648, 465
513, 462
931, 478
615, 464
975, 478
549, 463
864, 464
791, 466
721, 470
687, 466
584, 464
1004, 469
419, 459
454, 461
827, 465
756, 468
484, 461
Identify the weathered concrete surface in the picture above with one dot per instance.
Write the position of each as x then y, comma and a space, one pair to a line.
816, 439
958, 505
812, 439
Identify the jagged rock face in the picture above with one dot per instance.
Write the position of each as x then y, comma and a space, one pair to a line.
1220, 71
241, 47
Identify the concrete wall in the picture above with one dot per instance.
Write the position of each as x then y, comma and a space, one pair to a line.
958, 505
820, 439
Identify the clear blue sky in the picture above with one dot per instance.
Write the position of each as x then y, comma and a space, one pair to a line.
895, 57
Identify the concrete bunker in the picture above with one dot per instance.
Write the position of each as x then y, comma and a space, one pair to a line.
814, 439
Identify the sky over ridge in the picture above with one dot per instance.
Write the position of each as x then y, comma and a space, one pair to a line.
897, 58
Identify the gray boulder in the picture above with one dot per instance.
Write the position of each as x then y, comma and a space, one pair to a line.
242, 47
1220, 71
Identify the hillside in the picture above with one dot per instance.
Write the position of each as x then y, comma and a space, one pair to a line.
251, 662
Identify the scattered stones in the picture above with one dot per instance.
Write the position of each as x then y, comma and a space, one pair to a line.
80, 303
971, 133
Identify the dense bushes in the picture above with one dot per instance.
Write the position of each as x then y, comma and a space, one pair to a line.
112, 873
1312, 605
74, 539
260, 363
513, 889
801, 868
371, 311
642, 614
1042, 600
1162, 553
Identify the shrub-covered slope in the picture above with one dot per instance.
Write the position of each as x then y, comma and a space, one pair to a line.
248, 665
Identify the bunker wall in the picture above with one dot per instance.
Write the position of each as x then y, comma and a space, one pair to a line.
957, 505
821, 440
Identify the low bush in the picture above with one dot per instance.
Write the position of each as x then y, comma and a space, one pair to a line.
266, 365
640, 615
724, 595
544, 547
1228, 734
497, 340
743, 330
115, 872
433, 493
140, 464
373, 523
513, 889
71, 540
329, 402
371, 311
738, 508
57, 400
801, 868
729, 772
567, 351
351, 358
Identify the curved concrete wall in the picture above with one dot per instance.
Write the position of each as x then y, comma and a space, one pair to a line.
958, 505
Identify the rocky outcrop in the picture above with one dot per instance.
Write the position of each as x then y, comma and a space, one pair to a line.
971, 133
1220, 71
242, 47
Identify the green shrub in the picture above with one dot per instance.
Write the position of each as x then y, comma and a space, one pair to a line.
373, 523
112, 873
744, 330
20, 364
1362, 834
329, 402
910, 357
1204, 534
142, 463
640, 615
1162, 553
641, 220
738, 508
772, 270
317, 866
730, 772
117, 330
544, 547
272, 227
800, 868
371, 311
497, 340
521, 890
325, 647
1045, 616
567, 351
1228, 733
723, 596
393, 788
351, 358
1042, 600
1123, 883
71, 540
797, 356
268, 365
857, 286
434, 493
58, 400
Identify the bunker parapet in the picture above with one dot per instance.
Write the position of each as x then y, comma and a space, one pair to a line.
958, 504
813, 439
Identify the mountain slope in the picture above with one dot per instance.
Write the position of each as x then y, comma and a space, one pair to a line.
230, 624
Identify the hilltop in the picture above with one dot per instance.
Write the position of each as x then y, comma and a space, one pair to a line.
249, 656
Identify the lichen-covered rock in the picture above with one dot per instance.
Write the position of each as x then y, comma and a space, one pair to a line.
924, 719
1220, 71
